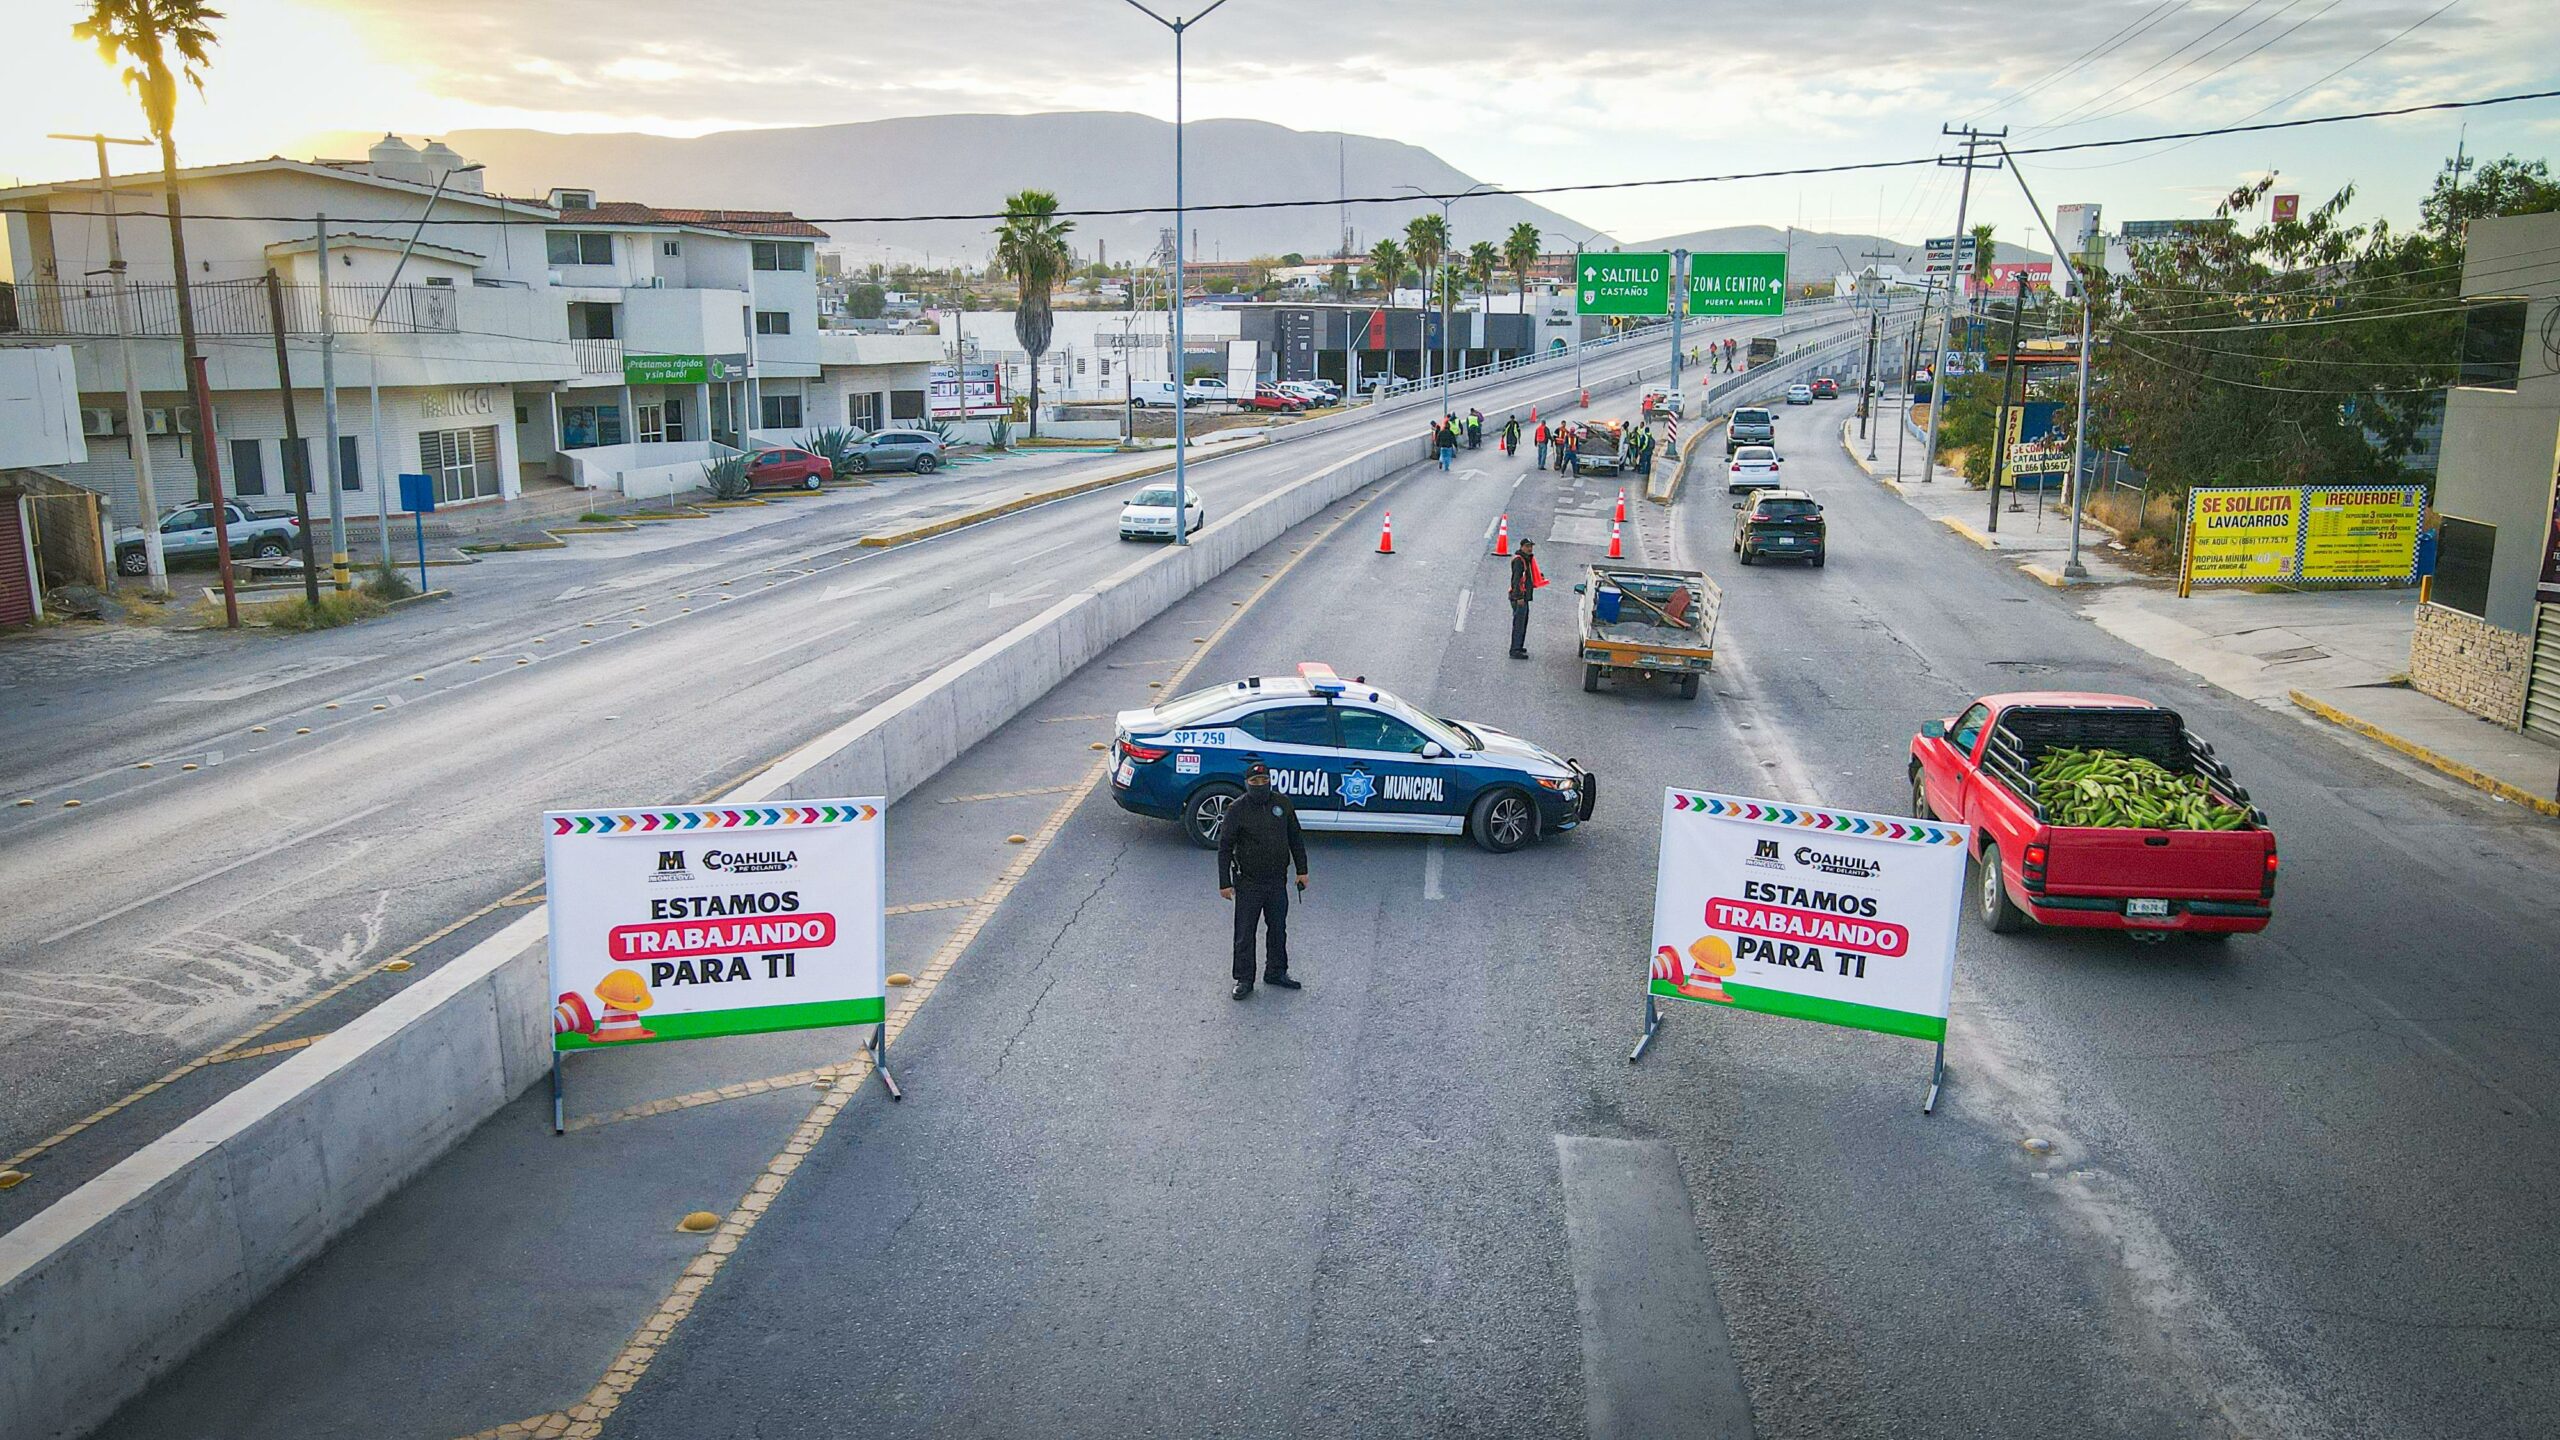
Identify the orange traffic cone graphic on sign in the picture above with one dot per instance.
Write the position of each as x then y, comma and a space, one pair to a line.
1387, 533
1622, 505
1502, 535
1617, 550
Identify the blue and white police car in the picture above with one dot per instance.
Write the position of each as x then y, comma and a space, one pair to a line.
1349, 755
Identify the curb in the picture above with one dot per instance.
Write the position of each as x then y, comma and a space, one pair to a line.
1968, 532
887, 539
2476, 779
2048, 576
1851, 446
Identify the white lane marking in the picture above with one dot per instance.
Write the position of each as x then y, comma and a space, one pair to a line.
839, 592
813, 639
1469, 474
1431, 869
250, 859
999, 600
1516, 479
1461, 626
269, 679
1488, 528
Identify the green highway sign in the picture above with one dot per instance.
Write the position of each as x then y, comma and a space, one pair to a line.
665, 369
1745, 282
1625, 284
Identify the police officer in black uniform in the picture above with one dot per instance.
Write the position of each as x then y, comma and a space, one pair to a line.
1255, 847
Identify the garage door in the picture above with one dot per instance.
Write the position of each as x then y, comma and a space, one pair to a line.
17, 586
2542, 692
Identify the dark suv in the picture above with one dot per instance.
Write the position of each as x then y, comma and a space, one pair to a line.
1750, 425
1778, 524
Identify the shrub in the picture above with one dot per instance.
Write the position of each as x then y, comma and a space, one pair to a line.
335, 608
836, 443
387, 584
1000, 433
726, 477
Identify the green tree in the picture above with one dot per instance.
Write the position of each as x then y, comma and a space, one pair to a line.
1520, 250
1985, 252
1484, 258
1293, 258
146, 37
1031, 246
1426, 239
866, 301
2505, 186
1386, 267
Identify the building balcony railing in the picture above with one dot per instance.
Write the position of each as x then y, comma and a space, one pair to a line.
229, 308
599, 357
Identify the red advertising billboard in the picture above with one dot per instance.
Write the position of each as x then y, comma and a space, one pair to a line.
2288, 208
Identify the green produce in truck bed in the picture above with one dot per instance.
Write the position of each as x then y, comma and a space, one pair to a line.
2106, 789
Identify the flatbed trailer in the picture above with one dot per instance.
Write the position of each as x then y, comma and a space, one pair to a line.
1663, 625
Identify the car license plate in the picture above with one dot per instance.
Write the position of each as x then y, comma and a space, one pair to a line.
1784, 540
2147, 909
1126, 772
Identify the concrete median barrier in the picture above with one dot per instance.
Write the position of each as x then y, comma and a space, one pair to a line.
122, 1279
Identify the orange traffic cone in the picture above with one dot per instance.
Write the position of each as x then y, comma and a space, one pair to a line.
1387, 533
1586, 399
1622, 505
1617, 549
1502, 535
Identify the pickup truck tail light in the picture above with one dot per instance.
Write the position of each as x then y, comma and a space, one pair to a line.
2267, 888
1143, 754
2032, 866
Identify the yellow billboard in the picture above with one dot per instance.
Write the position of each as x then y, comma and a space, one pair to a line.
2362, 535
2242, 536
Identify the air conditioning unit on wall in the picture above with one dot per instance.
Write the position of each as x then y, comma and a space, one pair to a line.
169, 420
98, 420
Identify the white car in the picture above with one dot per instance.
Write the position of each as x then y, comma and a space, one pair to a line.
1148, 515
1754, 467
1206, 392
1799, 394
1310, 391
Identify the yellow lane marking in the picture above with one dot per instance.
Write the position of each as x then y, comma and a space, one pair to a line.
740, 1091
921, 906
277, 1048
586, 1418
1044, 720
1006, 794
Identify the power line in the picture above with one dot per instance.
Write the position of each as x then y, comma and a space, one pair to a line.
2240, 59
2097, 51
1848, 167
2064, 120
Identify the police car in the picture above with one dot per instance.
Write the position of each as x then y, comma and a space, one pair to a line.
1349, 756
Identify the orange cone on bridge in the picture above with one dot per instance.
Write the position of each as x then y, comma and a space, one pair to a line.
1502, 535
1622, 506
1387, 533
1617, 548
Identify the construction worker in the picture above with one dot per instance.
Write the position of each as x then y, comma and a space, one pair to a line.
1511, 436
1540, 436
1525, 581
1475, 429
1256, 844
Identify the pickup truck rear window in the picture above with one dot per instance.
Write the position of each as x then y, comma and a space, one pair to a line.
1750, 417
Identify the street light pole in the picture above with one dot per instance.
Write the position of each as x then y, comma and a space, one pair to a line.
1449, 237
373, 353
2079, 284
1946, 322
1181, 401
137, 440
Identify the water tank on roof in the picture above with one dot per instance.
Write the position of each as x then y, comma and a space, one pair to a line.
392, 159
440, 159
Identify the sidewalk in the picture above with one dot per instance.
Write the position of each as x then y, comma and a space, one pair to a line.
2338, 656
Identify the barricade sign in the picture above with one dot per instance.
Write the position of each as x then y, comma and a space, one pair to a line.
1828, 915
691, 921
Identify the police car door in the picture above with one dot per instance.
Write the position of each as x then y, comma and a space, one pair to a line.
1297, 742
1388, 781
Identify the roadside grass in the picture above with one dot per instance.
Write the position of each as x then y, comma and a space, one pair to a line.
335, 609
2146, 525
596, 517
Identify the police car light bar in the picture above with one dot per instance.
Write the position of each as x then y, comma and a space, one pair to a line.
1320, 677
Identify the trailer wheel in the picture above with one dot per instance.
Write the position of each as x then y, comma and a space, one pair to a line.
1591, 679
1999, 913
1688, 687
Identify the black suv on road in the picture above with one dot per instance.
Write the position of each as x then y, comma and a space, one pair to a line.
1779, 525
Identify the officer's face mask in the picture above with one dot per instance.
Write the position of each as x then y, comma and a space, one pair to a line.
1257, 782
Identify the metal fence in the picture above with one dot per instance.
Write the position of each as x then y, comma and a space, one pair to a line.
226, 308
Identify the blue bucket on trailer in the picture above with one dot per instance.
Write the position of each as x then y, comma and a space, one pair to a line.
1605, 604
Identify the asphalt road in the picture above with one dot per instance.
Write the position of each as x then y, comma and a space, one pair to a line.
262, 820
2290, 1191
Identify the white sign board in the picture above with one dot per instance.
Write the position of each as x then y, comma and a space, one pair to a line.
693, 921
1827, 915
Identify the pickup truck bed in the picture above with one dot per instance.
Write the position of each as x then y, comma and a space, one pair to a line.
1974, 771
1665, 626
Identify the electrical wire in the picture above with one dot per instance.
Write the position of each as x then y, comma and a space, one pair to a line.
2242, 58
2065, 119
1593, 187
2356, 393
2103, 48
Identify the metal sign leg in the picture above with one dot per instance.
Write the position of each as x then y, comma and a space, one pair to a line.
559, 1119
1652, 1026
1937, 1077
879, 1048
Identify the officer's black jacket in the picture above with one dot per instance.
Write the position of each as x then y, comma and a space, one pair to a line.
1259, 840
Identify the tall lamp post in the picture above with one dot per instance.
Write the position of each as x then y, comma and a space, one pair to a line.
373, 351
1451, 234
1181, 402
1575, 284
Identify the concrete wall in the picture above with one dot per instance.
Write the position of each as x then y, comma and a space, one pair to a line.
2464, 660
118, 1282
2499, 446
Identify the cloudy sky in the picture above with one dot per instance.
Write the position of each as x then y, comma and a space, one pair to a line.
1512, 92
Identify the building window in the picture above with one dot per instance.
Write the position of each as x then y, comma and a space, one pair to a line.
590, 321
862, 412
906, 404
773, 322
781, 412
2463, 551
585, 426
463, 463
780, 255
2492, 343
350, 477
649, 418
577, 247
248, 476
671, 247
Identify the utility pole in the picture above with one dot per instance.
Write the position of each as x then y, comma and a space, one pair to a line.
1866, 383
2079, 284
1680, 310
373, 352
329, 421
297, 474
1955, 258
2008, 378
136, 436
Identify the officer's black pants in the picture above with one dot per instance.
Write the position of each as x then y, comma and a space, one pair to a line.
1519, 625
1267, 902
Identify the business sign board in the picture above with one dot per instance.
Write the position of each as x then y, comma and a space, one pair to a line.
1625, 283
1829, 915
2311, 534
1948, 253
959, 390
666, 369
2287, 209
1741, 282
2005, 275
694, 921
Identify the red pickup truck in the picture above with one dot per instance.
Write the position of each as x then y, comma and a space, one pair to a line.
1973, 770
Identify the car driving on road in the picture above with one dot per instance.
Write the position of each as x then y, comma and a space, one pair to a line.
1779, 525
1799, 394
1750, 425
898, 449
1825, 388
1148, 515
1753, 467
1349, 755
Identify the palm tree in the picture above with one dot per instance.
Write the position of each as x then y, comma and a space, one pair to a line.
1426, 238
1983, 252
1387, 262
1520, 250
1483, 259
142, 36
1031, 246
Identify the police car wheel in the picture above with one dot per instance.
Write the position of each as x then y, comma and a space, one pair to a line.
1205, 813
1504, 821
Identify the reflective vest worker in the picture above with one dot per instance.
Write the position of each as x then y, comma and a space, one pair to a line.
1256, 844
1540, 436
1525, 580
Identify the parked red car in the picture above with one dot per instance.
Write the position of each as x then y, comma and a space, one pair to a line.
1271, 397
1974, 770
784, 468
